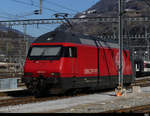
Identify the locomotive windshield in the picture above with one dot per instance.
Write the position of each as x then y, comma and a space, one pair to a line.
44, 52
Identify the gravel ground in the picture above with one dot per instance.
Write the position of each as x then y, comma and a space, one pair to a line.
128, 101
99, 107
94, 103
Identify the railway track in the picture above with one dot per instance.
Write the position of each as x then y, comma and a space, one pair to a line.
23, 97
143, 82
137, 109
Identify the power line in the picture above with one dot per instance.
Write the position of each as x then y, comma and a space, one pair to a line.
34, 5
23, 16
31, 2
64, 7
10, 16
71, 14
148, 3
7, 15
14, 16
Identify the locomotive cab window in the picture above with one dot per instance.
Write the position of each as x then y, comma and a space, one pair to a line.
44, 52
69, 52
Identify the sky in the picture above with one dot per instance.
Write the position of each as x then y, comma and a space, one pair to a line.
23, 9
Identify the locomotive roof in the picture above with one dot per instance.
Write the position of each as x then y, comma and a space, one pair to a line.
61, 36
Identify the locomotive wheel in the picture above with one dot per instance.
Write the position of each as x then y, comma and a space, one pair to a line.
127, 84
37, 88
73, 92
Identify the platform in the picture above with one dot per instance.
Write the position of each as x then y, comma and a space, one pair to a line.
14, 89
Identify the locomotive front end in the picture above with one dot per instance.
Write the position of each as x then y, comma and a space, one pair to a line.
42, 68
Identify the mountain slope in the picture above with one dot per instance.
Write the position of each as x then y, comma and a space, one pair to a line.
104, 6
11, 33
109, 8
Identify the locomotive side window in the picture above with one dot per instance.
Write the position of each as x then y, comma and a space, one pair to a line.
74, 52
70, 52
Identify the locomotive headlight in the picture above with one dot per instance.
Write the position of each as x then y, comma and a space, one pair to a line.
55, 74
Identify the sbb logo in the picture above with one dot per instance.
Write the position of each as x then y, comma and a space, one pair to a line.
117, 61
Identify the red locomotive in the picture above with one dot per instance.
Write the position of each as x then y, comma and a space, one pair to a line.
59, 61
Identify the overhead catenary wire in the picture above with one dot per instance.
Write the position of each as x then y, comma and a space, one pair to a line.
61, 6
25, 3
31, 2
42, 29
17, 16
7, 15
148, 3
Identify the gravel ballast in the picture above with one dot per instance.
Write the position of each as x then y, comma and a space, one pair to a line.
94, 103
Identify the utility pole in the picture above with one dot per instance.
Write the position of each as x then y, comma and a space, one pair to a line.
40, 6
25, 39
120, 36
